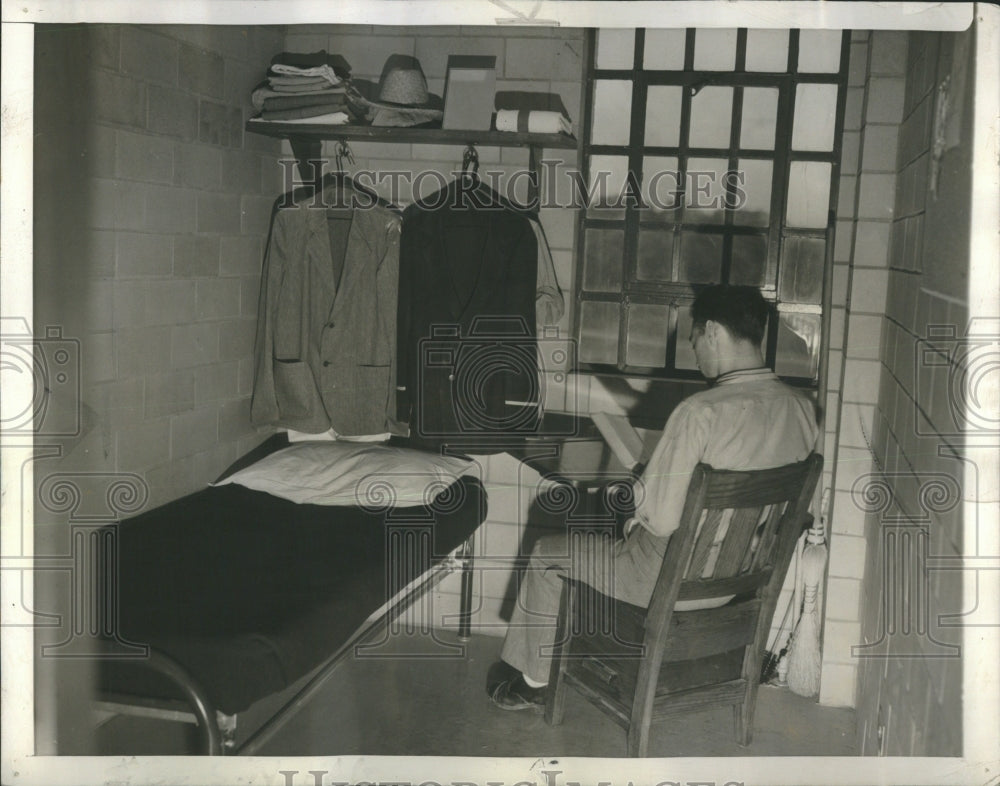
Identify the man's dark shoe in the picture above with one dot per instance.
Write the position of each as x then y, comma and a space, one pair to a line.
514, 693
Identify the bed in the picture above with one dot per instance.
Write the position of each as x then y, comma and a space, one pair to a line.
239, 593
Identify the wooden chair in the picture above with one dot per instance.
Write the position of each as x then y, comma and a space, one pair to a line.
736, 538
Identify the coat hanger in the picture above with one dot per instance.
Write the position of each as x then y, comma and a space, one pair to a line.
345, 183
488, 196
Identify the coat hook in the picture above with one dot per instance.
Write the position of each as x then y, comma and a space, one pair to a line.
470, 158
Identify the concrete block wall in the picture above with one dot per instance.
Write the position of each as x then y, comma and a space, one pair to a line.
170, 213
909, 694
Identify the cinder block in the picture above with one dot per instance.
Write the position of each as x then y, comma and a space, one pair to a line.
148, 55
864, 336
143, 157
234, 420
249, 296
170, 209
239, 79
201, 71
845, 195
861, 380
219, 124
118, 99
236, 338
854, 108
218, 213
144, 445
889, 51
144, 254
173, 112
245, 378
558, 60
877, 196
97, 358
169, 392
241, 172
104, 45
850, 146
367, 55
97, 149
241, 255
129, 303
847, 557
843, 240
885, 100
868, 290
193, 345
858, 66
120, 402
847, 516
255, 214
871, 247
218, 298
198, 166
880, 146
134, 354
196, 256
216, 383
838, 684
170, 302
116, 204
193, 432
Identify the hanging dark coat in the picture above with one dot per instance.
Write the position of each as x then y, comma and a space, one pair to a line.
467, 363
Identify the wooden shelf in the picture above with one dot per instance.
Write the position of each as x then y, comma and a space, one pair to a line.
419, 136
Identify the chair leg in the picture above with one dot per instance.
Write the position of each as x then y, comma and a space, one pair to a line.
743, 716
555, 697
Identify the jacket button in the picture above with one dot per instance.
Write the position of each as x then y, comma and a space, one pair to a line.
451, 377
331, 324
326, 362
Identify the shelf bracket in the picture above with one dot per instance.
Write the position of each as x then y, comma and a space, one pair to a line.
309, 158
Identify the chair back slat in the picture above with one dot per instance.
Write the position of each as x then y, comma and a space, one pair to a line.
738, 541
708, 530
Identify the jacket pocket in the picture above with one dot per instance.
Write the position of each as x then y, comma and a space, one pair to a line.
295, 389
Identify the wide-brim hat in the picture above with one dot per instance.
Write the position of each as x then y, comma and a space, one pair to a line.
400, 98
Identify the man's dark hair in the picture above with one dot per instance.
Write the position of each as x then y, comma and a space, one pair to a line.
741, 310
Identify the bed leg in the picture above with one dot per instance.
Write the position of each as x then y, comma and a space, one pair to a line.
465, 613
227, 729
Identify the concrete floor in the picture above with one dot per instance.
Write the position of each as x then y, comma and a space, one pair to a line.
398, 704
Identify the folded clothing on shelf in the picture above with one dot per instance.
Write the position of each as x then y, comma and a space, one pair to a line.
535, 121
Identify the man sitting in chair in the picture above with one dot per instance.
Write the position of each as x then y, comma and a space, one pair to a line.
747, 420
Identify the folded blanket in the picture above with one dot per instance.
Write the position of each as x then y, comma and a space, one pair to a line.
295, 101
303, 111
535, 121
278, 79
264, 91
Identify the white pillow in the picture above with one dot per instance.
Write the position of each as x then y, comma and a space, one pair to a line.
353, 474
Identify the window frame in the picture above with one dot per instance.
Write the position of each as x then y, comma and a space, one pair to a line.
676, 294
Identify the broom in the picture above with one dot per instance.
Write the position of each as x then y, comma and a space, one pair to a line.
803, 653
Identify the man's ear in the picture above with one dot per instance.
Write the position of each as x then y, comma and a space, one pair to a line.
711, 330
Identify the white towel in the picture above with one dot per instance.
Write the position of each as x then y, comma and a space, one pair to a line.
330, 119
324, 71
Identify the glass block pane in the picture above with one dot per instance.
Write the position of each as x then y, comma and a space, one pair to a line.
715, 50
612, 112
646, 340
606, 183
760, 116
753, 192
798, 345
655, 257
704, 199
661, 188
749, 260
615, 48
602, 260
664, 50
684, 354
663, 116
701, 258
801, 270
767, 50
808, 194
711, 117
819, 51
598, 332
815, 115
